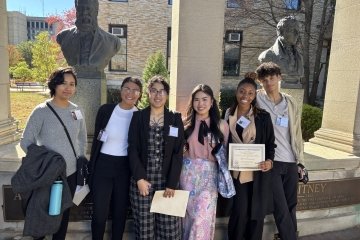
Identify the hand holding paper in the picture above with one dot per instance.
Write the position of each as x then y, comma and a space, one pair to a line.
175, 206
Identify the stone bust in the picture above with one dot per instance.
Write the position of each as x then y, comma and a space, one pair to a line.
284, 52
86, 46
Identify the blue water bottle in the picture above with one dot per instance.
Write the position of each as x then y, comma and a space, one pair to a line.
55, 197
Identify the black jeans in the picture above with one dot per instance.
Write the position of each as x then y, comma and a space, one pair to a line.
110, 187
285, 184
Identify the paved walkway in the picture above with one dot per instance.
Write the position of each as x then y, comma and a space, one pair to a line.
347, 234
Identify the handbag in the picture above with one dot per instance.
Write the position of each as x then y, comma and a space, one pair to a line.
81, 161
226, 186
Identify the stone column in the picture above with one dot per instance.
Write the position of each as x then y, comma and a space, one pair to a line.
8, 126
340, 128
196, 51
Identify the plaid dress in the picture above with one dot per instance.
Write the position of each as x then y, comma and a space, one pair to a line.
153, 226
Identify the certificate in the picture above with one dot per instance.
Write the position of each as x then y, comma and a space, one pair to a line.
246, 157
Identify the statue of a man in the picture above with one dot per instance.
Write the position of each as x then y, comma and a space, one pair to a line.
86, 46
284, 52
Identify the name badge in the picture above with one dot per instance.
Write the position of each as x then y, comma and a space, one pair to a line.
102, 136
77, 114
243, 122
282, 121
173, 132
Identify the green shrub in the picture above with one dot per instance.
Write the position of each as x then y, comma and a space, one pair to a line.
226, 99
310, 121
155, 65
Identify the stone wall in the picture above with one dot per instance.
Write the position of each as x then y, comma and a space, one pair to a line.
147, 23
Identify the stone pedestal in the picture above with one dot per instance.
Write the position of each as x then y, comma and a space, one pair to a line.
340, 128
90, 95
8, 126
196, 48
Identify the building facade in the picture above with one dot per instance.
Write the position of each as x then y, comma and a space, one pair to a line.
145, 27
16, 27
22, 28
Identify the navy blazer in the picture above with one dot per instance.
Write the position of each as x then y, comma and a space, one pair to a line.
138, 146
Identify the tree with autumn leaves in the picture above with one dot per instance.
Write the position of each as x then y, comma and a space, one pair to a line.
35, 60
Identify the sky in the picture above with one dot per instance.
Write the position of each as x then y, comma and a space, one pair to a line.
39, 8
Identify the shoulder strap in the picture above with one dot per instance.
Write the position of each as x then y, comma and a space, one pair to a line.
65, 129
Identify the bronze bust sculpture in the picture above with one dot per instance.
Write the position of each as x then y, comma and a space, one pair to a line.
284, 52
86, 46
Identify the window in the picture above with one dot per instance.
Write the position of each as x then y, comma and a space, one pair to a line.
168, 49
232, 47
37, 24
170, 2
119, 61
293, 4
32, 24
46, 25
233, 3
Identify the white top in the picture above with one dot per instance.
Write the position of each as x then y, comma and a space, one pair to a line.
283, 151
117, 132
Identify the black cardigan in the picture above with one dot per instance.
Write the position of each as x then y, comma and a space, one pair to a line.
138, 146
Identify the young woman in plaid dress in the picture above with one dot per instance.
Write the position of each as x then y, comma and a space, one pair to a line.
155, 154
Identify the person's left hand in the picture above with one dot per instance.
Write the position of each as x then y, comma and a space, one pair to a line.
169, 193
266, 165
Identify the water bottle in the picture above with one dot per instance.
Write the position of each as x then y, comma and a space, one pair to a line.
55, 197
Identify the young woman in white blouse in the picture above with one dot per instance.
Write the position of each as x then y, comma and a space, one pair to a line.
109, 161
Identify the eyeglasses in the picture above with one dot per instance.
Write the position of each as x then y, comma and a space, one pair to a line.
154, 91
127, 90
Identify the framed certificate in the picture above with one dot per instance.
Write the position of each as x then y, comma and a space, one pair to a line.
246, 157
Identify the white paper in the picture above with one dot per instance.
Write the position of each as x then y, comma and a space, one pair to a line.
174, 206
246, 157
80, 194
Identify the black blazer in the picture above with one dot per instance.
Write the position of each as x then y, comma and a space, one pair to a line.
102, 119
138, 146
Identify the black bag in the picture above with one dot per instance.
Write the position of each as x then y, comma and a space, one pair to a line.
82, 169
304, 176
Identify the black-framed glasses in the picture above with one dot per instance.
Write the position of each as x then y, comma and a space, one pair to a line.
160, 92
127, 90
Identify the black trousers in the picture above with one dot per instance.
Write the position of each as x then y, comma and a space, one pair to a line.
61, 233
285, 183
241, 226
110, 187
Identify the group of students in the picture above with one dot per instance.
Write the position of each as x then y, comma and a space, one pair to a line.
137, 152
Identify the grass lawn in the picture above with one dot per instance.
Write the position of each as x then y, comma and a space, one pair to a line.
22, 104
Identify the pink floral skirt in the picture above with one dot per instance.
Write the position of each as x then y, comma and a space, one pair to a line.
199, 177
